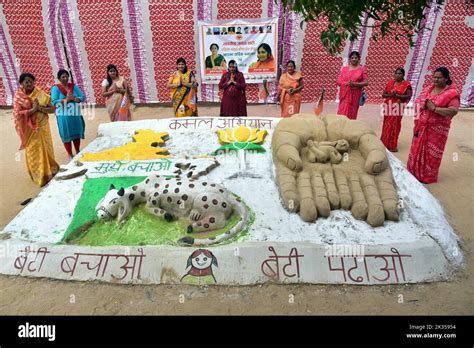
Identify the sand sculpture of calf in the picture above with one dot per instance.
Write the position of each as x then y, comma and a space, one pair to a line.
313, 184
206, 205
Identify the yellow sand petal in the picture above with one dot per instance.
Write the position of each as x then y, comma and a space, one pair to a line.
222, 136
242, 134
253, 135
261, 134
230, 136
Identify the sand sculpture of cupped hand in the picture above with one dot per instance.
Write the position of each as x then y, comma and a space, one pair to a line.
331, 162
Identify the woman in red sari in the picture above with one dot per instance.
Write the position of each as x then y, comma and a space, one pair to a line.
351, 80
397, 93
435, 108
234, 101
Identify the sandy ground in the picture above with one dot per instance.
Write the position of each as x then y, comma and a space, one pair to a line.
455, 191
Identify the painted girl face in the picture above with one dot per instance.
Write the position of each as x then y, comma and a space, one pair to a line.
181, 66
201, 261
439, 80
28, 84
64, 78
262, 55
354, 59
112, 73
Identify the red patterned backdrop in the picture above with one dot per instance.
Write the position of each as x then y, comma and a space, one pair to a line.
320, 69
25, 26
104, 27
454, 47
173, 37
104, 39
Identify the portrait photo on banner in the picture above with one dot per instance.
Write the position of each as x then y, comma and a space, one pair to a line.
252, 43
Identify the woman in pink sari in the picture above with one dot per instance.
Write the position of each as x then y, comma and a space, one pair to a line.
289, 90
351, 80
434, 108
115, 89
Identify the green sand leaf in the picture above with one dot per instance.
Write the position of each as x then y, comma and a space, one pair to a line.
239, 146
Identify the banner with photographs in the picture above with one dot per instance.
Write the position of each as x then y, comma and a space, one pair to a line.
252, 43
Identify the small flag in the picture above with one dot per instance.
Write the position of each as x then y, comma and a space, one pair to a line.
319, 106
264, 93
192, 99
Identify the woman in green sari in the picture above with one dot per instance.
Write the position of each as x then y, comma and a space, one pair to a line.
183, 87
215, 60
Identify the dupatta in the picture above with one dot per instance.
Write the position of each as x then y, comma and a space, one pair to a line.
22, 102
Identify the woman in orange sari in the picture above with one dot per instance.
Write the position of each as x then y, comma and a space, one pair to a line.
435, 108
289, 90
397, 93
115, 89
30, 112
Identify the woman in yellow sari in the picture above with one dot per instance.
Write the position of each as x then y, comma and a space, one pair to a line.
183, 86
289, 90
30, 112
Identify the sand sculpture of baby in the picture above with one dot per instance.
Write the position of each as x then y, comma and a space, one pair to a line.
325, 151
313, 179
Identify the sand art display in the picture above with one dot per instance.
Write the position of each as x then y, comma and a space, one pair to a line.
320, 202
314, 179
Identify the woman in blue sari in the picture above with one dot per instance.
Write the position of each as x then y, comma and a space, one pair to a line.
66, 97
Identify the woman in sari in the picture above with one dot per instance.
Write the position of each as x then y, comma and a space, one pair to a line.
351, 80
234, 101
116, 90
289, 90
215, 60
435, 107
183, 86
397, 93
30, 112
66, 98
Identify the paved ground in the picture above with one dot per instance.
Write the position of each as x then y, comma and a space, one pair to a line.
455, 191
